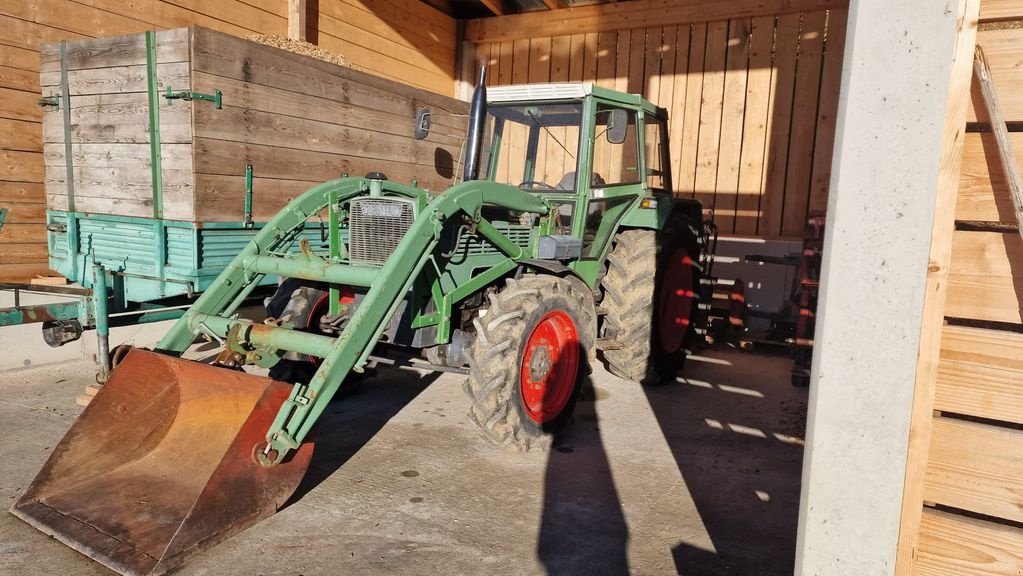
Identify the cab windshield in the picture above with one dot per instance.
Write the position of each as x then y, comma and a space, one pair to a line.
534, 147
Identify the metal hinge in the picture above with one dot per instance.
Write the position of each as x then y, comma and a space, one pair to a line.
216, 97
50, 101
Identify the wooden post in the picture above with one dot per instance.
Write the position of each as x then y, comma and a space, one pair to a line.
921, 422
982, 72
297, 19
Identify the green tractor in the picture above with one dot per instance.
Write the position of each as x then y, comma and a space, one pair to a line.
564, 238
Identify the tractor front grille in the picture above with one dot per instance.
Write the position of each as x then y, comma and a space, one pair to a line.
376, 225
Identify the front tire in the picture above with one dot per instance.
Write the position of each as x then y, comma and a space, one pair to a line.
529, 359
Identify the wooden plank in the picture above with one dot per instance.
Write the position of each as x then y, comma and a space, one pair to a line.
297, 19
1002, 49
711, 113
222, 198
21, 135
754, 131
655, 48
162, 14
120, 79
20, 105
986, 276
18, 166
983, 191
635, 83
256, 127
120, 155
429, 60
987, 254
539, 72
224, 55
779, 124
26, 192
229, 159
72, 17
119, 118
991, 298
29, 35
676, 113
18, 79
804, 124
116, 51
23, 213
629, 15
238, 13
827, 109
20, 58
935, 290
407, 15
21, 253
23, 272
953, 545
505, 69
392, 116
981, 374
1001, 10
26, 237
495, 6
558, 161
733, 116
1007, 160
976, 467
379, 21
694, 104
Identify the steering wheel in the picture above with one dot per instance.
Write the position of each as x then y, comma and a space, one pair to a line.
536, 184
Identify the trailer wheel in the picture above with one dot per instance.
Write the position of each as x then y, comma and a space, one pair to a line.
300, 303
648, 311
527, 364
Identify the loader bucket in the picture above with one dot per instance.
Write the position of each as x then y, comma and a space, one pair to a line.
160, 465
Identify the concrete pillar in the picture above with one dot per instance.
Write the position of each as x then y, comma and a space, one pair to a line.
895, 85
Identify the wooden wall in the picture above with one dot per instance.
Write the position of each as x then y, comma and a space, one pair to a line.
402, 40
752, 104
963, 504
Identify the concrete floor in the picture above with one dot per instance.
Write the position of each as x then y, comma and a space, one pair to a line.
701, 477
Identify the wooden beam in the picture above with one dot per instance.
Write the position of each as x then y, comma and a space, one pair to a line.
982, 72
495, 6
297, 19
609, 17
551, 4
936, 288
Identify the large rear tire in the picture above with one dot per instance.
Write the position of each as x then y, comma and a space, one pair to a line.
530, 357
650, 301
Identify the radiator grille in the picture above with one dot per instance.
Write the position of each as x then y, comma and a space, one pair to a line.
376, 226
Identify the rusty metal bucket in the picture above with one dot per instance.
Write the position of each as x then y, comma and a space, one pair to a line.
160, 465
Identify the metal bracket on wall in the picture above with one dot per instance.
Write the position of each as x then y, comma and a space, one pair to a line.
216, 97
3, 217
53, 100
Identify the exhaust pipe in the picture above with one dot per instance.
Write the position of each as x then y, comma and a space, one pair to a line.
474, 136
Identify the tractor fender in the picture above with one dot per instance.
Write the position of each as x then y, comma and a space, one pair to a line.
554, 268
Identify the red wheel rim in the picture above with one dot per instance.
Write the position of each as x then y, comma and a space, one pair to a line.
320, 308
550, 364
676, 303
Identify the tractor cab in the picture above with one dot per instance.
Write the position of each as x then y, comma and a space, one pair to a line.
594, 154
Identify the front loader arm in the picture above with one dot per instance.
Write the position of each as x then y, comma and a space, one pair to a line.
387, 287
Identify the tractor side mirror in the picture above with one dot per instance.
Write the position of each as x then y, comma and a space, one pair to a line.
617, 126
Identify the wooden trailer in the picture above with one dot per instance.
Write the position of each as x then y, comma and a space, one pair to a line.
181, 142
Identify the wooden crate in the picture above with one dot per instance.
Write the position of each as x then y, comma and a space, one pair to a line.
295, 119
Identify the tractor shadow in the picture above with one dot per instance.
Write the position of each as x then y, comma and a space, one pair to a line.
353, 418
583, 529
